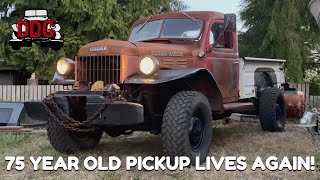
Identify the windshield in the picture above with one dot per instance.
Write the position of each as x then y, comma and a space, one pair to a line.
172, 28
150, 30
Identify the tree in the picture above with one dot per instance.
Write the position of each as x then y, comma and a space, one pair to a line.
82, 21
281, 29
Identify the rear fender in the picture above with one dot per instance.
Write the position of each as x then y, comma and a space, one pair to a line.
265, 77
195, 79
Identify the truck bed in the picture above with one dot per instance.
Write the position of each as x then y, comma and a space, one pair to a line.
250, 70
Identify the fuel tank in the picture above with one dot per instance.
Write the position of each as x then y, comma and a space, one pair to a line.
295, 103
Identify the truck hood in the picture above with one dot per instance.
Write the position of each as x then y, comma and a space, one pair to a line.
160, 50
170, 56
141, 49
108, 46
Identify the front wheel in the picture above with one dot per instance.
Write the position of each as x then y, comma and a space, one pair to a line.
187, 126
272, 112
66, 141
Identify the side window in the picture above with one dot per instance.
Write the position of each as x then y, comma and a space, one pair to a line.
219, 38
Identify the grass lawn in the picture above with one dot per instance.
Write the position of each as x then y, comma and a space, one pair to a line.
236, 139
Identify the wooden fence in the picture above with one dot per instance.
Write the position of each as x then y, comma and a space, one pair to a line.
311, 101
314, 102
305, 89
21, 93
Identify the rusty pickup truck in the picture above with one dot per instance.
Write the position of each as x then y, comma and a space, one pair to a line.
177, 73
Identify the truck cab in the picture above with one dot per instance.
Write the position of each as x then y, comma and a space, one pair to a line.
177, 72
195, 40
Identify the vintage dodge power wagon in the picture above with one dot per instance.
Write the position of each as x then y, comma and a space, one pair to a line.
177, 73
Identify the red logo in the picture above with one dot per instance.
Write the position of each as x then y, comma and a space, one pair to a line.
36, 26
35, 29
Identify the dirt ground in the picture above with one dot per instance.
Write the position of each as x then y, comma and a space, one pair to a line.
235, 139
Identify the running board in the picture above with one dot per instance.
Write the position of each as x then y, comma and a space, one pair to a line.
240, 107
244, 118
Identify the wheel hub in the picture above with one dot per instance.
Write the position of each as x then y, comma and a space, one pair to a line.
195, 133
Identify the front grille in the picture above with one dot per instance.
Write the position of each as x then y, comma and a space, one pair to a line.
96, 68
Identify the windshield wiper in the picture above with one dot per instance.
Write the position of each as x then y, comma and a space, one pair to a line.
144, 24
157, 39
192, 18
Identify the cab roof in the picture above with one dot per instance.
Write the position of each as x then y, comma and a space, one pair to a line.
204, 15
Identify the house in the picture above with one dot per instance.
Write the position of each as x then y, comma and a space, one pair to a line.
10, 75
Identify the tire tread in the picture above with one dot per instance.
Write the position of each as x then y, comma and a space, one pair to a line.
175, 141
267, 110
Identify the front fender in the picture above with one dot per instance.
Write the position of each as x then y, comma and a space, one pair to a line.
162, 76
197, 79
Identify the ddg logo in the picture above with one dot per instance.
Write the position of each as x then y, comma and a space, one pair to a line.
36, 26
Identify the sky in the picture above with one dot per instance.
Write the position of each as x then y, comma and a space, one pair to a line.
224, 6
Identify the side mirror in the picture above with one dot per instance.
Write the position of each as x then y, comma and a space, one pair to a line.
230, 22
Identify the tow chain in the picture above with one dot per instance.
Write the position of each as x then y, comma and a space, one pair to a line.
72, 124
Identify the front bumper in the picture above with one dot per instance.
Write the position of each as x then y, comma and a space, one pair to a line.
117, 113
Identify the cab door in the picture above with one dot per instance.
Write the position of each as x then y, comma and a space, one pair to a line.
224, 59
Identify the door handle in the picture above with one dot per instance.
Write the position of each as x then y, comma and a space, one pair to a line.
236, 63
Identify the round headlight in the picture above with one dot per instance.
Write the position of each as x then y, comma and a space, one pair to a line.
149, 65
65, 66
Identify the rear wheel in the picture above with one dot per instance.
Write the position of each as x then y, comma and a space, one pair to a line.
272, 110
187, 126
66, 141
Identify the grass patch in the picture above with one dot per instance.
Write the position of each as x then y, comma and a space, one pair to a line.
12, 140
317, 159
236, 139
111, 175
